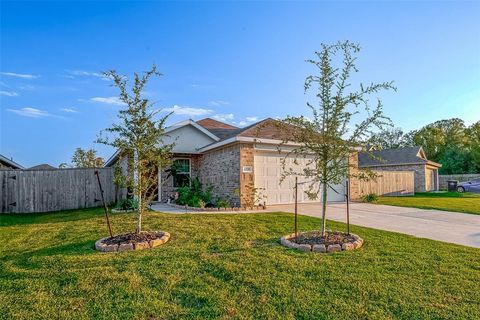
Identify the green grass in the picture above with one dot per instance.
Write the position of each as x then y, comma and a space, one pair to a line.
447, 201
226, 266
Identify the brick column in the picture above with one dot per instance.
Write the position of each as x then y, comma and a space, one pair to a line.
353, 181
246, 159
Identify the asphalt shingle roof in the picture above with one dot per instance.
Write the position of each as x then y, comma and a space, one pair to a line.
388, 157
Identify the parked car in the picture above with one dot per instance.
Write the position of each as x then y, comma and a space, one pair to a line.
469, 186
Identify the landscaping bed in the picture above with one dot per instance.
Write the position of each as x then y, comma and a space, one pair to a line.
132, 241
333, 241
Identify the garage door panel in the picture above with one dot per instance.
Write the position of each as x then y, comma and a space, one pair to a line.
268, 171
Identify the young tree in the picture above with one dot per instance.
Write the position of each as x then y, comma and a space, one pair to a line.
86, 159
341, 121
83, 159
138, 136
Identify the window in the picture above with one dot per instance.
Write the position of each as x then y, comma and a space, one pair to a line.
182, 175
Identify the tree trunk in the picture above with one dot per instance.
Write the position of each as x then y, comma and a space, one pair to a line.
324, 207
139, 222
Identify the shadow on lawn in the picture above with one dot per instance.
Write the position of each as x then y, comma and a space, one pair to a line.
17, 219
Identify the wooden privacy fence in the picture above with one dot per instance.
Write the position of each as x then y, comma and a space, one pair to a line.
389, 183
442, 179
25, 191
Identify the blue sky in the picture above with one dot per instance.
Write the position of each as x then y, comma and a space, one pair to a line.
237, 61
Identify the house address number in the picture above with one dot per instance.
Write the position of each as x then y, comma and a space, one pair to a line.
247, 169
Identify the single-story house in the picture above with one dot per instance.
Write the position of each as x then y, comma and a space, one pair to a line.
229, 159
6, 163
404, 159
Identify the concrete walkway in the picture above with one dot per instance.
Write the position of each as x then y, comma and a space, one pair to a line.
453, 227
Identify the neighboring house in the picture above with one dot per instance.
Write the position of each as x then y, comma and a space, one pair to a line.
43, 166
6, 163
229, 159
404, 159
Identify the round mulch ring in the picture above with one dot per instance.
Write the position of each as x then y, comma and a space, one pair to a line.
333, 241
132, 241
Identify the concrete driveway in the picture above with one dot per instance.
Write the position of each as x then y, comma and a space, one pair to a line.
454, 227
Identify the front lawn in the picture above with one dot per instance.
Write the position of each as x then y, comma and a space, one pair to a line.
226, 266
447, 201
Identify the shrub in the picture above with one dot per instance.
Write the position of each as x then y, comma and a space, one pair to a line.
130, 204
222, 203
371, 197
194, 195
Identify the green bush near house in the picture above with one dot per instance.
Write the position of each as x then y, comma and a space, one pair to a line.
222, 203
194, 194
129, 204
371, 197
223, 266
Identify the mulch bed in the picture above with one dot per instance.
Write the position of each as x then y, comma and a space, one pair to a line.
134, 237
331, 237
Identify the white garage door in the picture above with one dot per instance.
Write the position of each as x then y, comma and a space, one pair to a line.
268, 171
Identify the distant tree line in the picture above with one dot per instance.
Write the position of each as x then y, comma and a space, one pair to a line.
449, 142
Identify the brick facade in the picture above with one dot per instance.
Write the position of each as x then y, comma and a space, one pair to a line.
220, 168
353, 184
246, 178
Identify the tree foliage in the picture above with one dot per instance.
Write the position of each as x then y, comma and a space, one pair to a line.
138, 136
84, 158
341, 120
449, 142
389, 138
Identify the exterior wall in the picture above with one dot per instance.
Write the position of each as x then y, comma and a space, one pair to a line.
4, 166
353, 183
246, 178
187, 139
419, 169
221, 169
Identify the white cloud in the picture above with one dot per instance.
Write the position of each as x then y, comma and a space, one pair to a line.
30, 112
108, 100
188, 111
68, 110
8, 93
27, 87
88, 74
218, 103
19, 75
224, 117
251, 119
242, 123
